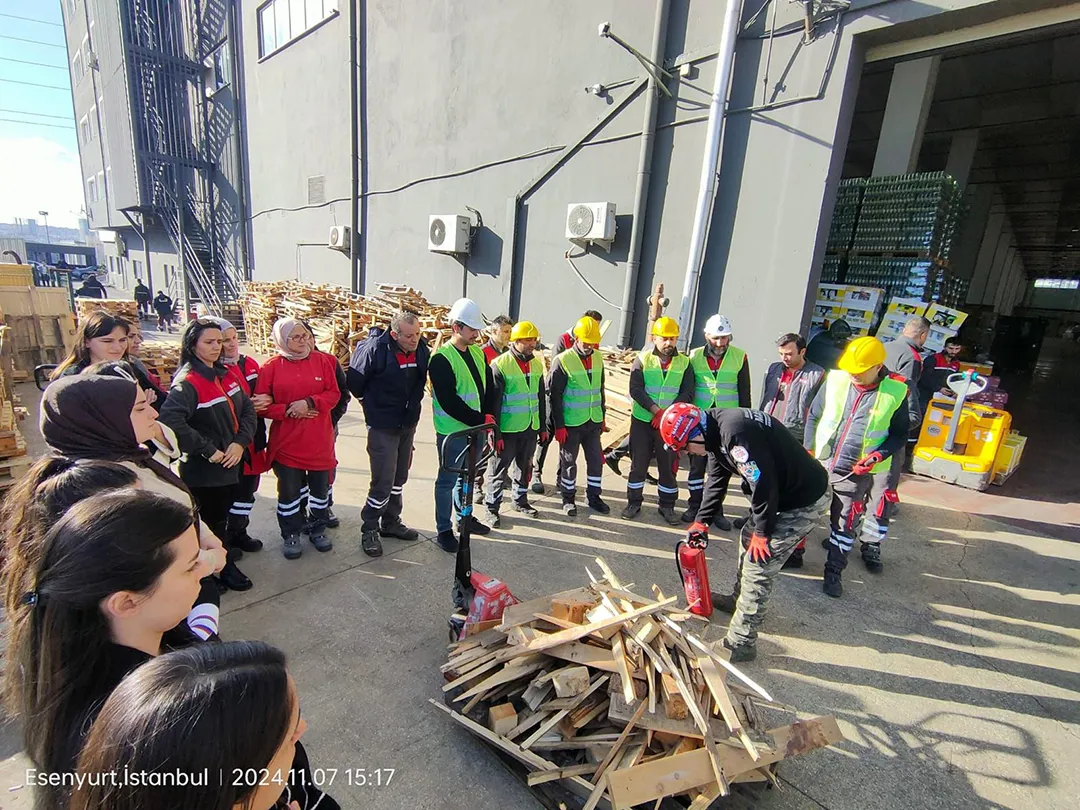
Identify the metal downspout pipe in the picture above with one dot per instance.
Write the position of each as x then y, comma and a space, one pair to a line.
644, 176
709, 167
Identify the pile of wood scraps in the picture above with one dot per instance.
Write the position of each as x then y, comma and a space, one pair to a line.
338, 318
85, 307
606, 698
14, 462
161, 358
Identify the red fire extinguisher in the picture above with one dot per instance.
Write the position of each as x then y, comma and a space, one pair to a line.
694, 572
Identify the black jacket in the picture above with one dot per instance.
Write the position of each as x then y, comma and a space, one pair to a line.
779, 473
162, 304
142, 292
342, 406
444, 385
380, 383
202, 418
903, 356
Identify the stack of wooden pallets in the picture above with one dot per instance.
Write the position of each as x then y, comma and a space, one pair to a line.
610, 699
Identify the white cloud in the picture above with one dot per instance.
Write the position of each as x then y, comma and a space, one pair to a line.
39, 175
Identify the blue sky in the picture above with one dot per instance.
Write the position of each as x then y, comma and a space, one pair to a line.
39, 159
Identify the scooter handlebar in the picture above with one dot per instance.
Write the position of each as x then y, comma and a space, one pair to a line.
460, 464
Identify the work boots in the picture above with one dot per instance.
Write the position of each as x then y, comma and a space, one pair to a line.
834, 566
447, 542
526, 508
491, 518
741, 652
399, 530
597, 504
370, 543
668, 514
537, 486
631, 511
690, 515
871, 557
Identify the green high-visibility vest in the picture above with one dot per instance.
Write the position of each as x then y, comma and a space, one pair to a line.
662, 387
521, 394
582, 400
719, 389
890, 396
465, 387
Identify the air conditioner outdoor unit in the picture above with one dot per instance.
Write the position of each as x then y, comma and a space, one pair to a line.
591, 222
449, 233
340, 238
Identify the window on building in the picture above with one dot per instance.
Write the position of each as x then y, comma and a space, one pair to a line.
221, 62
136, 267
91, 190
85, 133
77, 69
1057, 283
282, 21
100, 182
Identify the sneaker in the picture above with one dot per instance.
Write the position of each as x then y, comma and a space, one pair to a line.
723, 524
526, 509
832, 585
447, 541
492, 519
690, 515
400, 531
247, 543
668, 514
794, 561
370, 543
233, 578
741, 652
630, 511
537, 487
598, 505
321, 541
724, 602
871, 557
612, 462
292, 547
332, 520
475, 526
825, 542
651, 479
569, 510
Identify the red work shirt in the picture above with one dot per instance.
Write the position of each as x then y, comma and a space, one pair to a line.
304, 444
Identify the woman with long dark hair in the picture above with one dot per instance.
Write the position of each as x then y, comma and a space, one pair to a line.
214, 422
108, 418
106, 338
302, 390
112, 578
51, 487
209, 710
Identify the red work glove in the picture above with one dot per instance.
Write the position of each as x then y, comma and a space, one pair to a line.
697, 534
758, 550
656, 417
543, 437
489, 419
867, 462
603, 426
561, 435
500, 445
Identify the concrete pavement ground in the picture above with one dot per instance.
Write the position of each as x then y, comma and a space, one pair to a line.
955, 674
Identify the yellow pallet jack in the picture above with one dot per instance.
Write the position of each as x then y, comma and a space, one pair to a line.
959, 440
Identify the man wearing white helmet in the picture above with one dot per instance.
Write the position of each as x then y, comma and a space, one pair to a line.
722, 380
460, 377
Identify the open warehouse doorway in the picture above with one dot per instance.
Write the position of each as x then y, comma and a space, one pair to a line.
988, 132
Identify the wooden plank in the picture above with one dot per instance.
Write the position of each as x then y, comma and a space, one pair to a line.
524, 612
620, 711
540, 777
551, 722
669, 776
694, 641
675, 707
571, 681
507, 674
564, 636
502, 718
587, 654
714, 680
618, 652
598, 777
575, 784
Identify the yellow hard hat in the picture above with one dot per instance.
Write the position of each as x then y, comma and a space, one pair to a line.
665, 327
862, 354
523, 330
587, 331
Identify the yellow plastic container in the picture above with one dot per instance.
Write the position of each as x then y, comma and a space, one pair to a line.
1008, 457
981, 432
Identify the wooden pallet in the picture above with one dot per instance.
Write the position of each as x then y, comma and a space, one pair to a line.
12, 469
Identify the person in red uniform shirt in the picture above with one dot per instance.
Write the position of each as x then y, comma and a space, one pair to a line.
297, 390
498, 341
936, 370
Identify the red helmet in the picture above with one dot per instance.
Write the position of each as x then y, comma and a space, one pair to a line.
680, 423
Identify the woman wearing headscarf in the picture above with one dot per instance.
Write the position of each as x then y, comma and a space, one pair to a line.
245, 371
214, 422
302, 388
108, 418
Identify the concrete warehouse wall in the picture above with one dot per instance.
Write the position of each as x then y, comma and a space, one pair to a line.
473, 89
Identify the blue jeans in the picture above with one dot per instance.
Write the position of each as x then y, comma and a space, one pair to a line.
449, 486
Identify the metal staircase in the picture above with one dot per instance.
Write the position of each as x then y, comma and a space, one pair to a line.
168, 42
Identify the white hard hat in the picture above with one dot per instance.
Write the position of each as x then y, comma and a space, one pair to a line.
717, 326
466, 311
